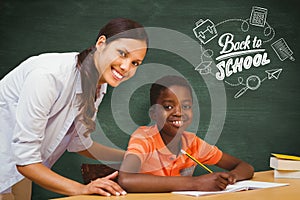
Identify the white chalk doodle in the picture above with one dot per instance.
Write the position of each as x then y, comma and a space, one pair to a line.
236, 54
273, 73
268, 30
258, 16
205, 30
240, 82
253, 82
282, 50
205, 65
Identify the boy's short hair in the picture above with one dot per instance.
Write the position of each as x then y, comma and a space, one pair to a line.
164, 83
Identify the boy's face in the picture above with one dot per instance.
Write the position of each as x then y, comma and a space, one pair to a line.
173, 112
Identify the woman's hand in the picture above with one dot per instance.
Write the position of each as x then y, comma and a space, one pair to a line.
104, 186
62, 185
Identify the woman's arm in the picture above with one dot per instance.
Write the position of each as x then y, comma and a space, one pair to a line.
132, 181
239, 169
100, 152
50, 180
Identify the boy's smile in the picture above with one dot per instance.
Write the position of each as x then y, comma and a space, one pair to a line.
173, 113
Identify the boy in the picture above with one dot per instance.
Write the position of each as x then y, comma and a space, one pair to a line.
154, 162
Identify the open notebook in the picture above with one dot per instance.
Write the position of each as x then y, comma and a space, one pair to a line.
238, 186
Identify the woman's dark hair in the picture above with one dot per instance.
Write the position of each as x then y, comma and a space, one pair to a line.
113, 30
164, 83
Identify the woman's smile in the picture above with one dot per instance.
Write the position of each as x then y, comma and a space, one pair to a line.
116, 75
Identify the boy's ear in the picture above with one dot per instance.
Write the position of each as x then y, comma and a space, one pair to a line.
153, 111
152, 114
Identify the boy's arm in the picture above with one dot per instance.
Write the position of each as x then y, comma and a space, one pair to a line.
132, 181
238, 168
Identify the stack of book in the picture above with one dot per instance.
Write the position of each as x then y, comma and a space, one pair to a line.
285, 166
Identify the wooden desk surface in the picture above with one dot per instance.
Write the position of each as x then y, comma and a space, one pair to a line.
291, 192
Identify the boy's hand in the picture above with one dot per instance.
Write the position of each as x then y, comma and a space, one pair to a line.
231, 178
214, 181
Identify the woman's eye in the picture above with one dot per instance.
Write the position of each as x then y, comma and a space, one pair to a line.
122, 53
136, 64
186, 107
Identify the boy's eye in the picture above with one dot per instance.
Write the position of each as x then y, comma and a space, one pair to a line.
168, 107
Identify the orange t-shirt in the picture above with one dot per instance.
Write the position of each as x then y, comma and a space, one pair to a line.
156, 158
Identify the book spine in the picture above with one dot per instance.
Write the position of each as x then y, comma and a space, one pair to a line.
281, 164
287, 173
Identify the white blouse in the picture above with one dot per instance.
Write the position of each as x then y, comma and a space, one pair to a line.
38, 104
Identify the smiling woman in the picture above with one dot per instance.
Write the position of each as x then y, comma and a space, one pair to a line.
120, 47
118, 60
48, 104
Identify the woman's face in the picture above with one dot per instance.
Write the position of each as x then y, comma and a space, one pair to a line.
118, 60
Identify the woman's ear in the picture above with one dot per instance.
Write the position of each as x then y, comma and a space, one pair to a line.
101, 40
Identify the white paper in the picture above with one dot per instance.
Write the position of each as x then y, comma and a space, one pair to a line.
259, 184
238, 186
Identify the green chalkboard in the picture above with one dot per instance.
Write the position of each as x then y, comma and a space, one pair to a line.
241, 58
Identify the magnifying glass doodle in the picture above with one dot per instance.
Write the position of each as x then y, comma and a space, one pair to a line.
252, 82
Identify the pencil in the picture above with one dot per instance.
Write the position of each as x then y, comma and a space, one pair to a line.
196, 161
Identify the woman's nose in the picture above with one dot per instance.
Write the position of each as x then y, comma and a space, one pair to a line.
125, 65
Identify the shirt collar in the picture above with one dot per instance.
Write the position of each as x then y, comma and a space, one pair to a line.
78, 89
161, 147
103, 88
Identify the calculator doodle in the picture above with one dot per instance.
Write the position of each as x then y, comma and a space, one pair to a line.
258, 16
